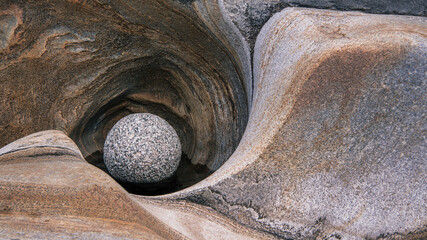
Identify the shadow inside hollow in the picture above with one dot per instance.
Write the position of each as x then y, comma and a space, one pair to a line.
186, 175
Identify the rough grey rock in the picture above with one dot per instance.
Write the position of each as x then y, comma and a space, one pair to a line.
142, 148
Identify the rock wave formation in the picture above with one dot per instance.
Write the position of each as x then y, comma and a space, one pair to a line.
311, 123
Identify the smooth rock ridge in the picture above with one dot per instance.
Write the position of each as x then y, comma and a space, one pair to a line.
334, 147
48, 191
142, 148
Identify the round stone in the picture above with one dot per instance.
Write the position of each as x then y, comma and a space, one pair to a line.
142, 148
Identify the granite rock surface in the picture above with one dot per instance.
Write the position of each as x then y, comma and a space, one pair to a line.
142, 147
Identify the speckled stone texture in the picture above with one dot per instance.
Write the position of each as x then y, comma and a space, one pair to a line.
142, 148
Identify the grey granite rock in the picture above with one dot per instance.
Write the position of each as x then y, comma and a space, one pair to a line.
142, 148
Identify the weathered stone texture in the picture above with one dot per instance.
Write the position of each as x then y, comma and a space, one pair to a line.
45, 181
335, 143
250, 15
343, 96
79, 66
48, 191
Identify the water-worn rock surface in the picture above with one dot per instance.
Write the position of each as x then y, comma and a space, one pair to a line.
343, 96
324, 137
45, 184
48, 191
250, 15
80, 66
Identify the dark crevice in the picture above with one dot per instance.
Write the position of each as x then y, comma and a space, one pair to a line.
186, 175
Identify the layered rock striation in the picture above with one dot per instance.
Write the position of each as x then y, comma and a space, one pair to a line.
335, 143
80, 66
316, 130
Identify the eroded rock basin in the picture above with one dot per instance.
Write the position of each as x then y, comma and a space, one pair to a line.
316, 130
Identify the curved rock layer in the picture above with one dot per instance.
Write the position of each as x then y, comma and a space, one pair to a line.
250, 15
80, 66
335, 144
48, 191
45, 183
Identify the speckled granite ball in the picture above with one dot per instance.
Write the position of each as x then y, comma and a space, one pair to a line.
142, 148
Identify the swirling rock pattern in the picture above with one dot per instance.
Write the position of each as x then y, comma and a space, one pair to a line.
90, 63
334, 109
45, 183
343, 96
250, 15
48, 191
